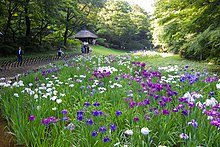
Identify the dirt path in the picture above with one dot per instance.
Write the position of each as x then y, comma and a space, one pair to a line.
19, 70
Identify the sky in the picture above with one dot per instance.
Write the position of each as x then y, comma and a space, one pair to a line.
146, 4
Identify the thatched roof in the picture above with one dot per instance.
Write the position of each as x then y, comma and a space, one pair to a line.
85, 34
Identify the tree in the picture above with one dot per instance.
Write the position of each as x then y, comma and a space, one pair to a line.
186, 21
124, 25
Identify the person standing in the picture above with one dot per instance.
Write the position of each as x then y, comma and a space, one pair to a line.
19, 55
60, 52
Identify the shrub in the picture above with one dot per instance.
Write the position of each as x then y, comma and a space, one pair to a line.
6, 50
204, 46
101, 41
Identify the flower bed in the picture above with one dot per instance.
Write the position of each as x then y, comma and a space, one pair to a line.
113, 101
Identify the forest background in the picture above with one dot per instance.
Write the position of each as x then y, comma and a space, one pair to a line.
190, 28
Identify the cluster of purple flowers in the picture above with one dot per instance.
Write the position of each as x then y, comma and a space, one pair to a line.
139, 64
214, 115
49, 120
101, 74
103, 129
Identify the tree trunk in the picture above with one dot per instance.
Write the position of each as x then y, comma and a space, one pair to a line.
27, 19
8, 24
65, 36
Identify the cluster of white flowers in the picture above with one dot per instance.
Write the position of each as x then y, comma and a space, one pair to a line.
115, 85
218, 86
144, 131
96, 82
170, 79
101, 89
210, 102
192, 97
174, 68
107, 69
18, 84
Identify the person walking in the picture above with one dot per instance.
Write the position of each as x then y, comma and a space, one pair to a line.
60, 52
19, 55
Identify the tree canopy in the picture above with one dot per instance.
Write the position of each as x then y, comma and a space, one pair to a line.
190, 27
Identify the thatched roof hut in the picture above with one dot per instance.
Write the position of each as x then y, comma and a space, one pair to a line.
85, 34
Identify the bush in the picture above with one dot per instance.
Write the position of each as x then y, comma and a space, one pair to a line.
134, 45
101, 41
6, 50
204, 46
73, 44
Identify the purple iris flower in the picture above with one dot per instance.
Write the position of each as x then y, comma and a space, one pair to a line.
89, 121
193, 123
46, 121
94, 133
64, 112
211, 93
118, 112
185, 112
215, 123
55, 120
147, 116
80, 113
175, 110
65, 118
112, 127
86, 104
165, 112
136, 119
143, 64
106, 139
80, 117
96, 104
31, 118
96, 113
180, 106
184, 136
156, 112
102, 129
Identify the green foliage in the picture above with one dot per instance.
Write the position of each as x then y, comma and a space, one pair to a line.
101, 41
6, 50
73, 44
37, 23
122, 24
184, 27
135, 45
204, 46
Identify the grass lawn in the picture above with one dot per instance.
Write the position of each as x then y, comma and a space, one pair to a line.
100, 50
158, 60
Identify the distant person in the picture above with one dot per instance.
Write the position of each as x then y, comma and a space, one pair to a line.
60, 53
19, 55
85, 43
86, 49
83, 50
93, 41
